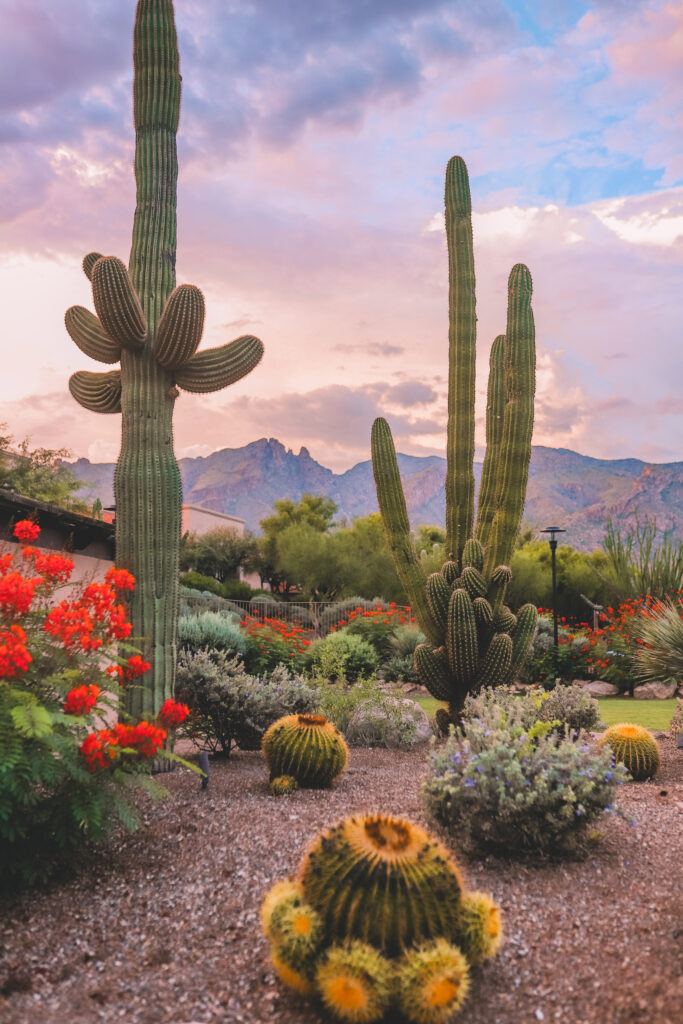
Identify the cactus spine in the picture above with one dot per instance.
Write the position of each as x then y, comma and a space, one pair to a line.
154, 331
307, 748
380, 908
477, 629
634, 747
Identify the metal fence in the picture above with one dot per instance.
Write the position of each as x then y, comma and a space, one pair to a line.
317, 616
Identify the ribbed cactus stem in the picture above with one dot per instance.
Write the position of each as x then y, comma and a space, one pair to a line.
518, 418
392, 504
462, 339
495, 407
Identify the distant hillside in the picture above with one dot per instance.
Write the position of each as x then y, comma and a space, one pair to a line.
565, 489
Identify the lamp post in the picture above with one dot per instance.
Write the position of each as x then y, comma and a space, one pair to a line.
552, 540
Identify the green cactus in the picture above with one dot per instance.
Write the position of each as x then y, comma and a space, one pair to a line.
433, 982
153, 329
283, 785
306, 747
476, 568
634, 747
380, 908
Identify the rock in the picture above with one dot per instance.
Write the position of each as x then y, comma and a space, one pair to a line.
392, 722
656, 691
599, 688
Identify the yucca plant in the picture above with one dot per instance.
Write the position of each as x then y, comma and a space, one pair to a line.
473, 638
659, 655
154, 330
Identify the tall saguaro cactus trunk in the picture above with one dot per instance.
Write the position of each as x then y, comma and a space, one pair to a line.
154, 329
473, 638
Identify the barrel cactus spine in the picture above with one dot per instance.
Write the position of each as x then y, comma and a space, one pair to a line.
393, 911
153, 329
634, 747
307, 748
477, 552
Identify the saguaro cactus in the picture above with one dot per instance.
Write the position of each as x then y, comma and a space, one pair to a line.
154, 329
473, 638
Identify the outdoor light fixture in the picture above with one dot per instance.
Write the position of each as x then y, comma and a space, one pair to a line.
552, 540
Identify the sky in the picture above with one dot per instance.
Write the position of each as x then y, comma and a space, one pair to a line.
312, 145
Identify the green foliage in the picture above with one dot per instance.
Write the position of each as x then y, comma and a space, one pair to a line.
39, 473
314, 510
399, 665
659, 655
577, 573
218, 554
497, 787
234, 590
342, 656
307, 747
544, 665
567, 707
572, 707
214, 630
230, 707
644, 560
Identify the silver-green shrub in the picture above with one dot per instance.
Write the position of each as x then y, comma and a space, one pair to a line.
563, 706
212, 630
511, 788
229, 707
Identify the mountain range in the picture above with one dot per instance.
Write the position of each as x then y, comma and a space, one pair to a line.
565, 489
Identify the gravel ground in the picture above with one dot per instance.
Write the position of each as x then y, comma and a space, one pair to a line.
163, 928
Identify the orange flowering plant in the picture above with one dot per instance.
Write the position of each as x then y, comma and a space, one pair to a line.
65, 765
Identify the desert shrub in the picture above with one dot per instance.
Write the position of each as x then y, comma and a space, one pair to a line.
399, 663
506, 787
272, 642
659, 655
236, 590
65, 776
564, 707
212, 630
377, 625
228, 706
387, 721
339, 704
342, 656
572, 707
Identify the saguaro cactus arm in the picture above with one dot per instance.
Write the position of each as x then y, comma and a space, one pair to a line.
495, 407
462, 337
215, 368
97, 392
392, 505
90, 336
518, 418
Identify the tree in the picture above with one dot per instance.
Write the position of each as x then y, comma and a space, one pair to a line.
219, 553
38, 473
314, 510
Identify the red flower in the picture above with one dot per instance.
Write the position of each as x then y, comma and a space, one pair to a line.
55, 568
26, 530
145, 738
136, 667
120, 579
16, 592
14, 656
172, 714
115, 670
98, 749
6, 562
81, 700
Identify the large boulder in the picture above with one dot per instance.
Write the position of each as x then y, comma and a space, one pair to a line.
389, 722
599, 688
656, 691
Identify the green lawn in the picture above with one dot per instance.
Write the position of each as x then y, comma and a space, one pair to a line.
653, 714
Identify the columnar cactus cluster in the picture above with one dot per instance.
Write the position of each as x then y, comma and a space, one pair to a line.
473, 638
307, 748
154, 330
378, 920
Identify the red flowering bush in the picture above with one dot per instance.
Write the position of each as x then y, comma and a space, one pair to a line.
271, 642
63, 767
172, 714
